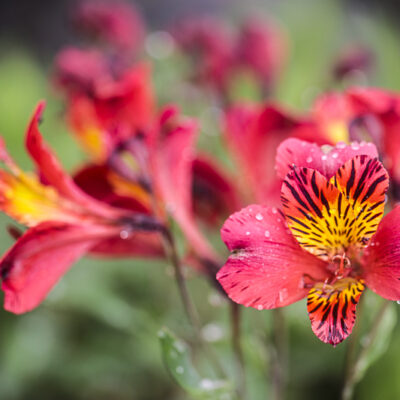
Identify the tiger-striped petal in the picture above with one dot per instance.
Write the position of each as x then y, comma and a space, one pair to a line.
332, 309
336, 216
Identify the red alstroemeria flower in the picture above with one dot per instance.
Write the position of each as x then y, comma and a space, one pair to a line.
326, 244
116, 23
210, 47
363, 114
114, 111
352, 59
81, 70
171, 153
64, 224
253, 134
157, 171
214, 194
262, 50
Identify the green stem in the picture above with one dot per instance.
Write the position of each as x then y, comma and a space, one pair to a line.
190, 310
353, 372
280, 355
237, 349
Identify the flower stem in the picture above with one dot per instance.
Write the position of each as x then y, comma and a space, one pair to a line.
188, 305
353, 371
237, 349
280, 355
187, 302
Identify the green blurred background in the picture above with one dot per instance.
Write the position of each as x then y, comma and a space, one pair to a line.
95, 337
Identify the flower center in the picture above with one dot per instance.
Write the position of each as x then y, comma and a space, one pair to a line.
342, 265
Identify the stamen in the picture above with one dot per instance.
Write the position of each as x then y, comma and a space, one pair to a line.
344, 263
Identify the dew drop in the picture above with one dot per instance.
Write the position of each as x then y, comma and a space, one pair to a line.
212, 332
283, 295
341, 145
274, 210
335, 155
259, 217
398, 301
267, 234
309, 159
180, 347
207, 384
247, 233
355, 146
179, 370
124, 234
324, 157
260, 307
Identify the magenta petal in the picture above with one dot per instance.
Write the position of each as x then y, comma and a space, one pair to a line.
304, 154
381, 261
40, 257
268, 268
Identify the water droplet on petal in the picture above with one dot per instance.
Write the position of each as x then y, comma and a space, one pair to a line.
283, 295
247, 233
335, 155
267, 234
260, 307
324, 157
259, 217
309, 159
274, 210
124, 234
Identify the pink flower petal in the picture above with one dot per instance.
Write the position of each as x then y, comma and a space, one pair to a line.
268, 268
381, 261
94, 180
371, 100
117, 23
253, 135
262, 48
304, 154
40, 257
171, 151
51, 170
138, 244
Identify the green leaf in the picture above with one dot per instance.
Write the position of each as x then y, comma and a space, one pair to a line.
178, 362
380, 344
